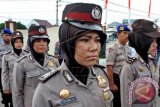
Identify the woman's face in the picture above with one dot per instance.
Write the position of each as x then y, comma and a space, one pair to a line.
153, 48
18, 43
40, 45
87, 48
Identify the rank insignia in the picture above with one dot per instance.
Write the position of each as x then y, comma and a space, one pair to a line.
50, 63
64, 94
101, 81
67, 76
105, 95
141, 69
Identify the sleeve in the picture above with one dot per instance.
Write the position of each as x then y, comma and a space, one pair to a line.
126, 78
18, 85
5, 74
110, 56
40, 97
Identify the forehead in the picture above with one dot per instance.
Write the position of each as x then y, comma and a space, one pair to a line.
91, 34
5, 34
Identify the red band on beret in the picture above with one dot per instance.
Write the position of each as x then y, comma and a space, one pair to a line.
36, 32
82, 17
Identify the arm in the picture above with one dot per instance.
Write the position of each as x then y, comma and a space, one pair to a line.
18, 85
112, 86
40, 98
5, 76
126, 78
110, 61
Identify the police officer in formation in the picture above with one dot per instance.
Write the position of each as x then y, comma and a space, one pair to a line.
116, 55
78, 82
139, 76
8, 62
29, 68
5, 46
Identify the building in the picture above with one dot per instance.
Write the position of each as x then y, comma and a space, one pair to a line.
40, 22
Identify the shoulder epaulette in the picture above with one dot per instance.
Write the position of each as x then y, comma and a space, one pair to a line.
21, 58
99, 66
7, 52
26, 51
47, 76
51, 55
130, 60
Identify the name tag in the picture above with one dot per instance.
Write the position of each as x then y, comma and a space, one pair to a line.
68, 101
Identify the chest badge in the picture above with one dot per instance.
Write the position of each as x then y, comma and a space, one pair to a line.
101, 81
64, 94
105, 95
50, 63
141, 69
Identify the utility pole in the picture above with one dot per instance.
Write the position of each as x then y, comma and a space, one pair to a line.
57, 12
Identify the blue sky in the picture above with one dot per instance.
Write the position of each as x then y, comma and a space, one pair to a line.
26, 10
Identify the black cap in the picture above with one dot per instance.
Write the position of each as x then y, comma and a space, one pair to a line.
147, 27
83, 15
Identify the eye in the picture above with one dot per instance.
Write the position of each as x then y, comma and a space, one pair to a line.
97, 40
84, 40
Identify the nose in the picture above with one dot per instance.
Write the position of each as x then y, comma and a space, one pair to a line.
94, 46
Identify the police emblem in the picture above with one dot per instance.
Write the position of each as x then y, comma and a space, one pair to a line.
141, 69
101, 81
121, 28
50, 63
96, 14
64, 94
17, 34
105, 95
41, 30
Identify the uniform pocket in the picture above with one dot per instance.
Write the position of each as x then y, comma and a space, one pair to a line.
32, 72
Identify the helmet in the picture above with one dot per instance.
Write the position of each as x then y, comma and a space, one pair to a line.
85, 16
17, 34
37, 32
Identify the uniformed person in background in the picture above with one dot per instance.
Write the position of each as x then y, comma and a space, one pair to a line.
5, 46
8, 61
29, 68
78, 82
116, 55
139, 76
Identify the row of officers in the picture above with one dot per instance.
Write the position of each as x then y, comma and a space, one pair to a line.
36, 79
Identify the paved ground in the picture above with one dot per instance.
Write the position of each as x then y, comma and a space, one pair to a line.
158, 105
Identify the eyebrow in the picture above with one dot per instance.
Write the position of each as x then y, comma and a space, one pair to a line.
90, 36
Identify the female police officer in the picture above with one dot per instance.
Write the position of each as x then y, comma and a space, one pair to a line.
30, 67
139, 76
78, 82
8, 62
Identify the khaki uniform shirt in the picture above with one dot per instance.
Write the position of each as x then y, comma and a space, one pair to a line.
3, 49
25, 78
95, 93
133, 74
116, 55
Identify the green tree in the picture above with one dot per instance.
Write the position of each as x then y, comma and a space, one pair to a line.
19, 25
1, 26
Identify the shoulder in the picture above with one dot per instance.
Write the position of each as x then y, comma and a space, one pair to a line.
99, 66
21, 59
112, 47
131, 60
48, 75
6, 53
26, 51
